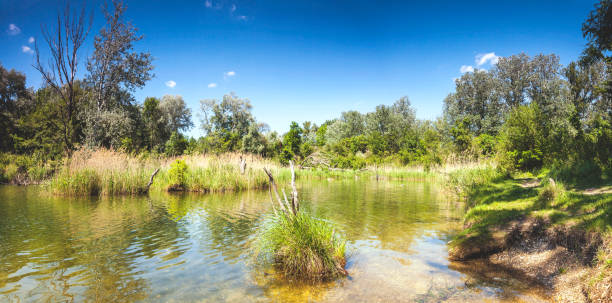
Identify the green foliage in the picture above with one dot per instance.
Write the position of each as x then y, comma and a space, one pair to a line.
177, 175
155, 130
460, 132
303, 247
485, 144
292, 141
25, 169
521, 140
348, 162
176, 145
581, 174
286, 155
320, 136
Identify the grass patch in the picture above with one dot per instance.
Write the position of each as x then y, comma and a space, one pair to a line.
303, 247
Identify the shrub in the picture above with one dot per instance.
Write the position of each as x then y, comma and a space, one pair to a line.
11, 171
303, 246
485, 144
349, 162
177, 171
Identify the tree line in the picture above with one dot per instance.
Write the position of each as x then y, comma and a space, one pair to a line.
527, 112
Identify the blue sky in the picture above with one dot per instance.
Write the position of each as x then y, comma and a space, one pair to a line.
311, 60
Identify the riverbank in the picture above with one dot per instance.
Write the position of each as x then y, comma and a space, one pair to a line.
561, 238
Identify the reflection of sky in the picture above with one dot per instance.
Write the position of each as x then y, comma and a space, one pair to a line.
197, 247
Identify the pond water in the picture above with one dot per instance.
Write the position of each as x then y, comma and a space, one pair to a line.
198, 248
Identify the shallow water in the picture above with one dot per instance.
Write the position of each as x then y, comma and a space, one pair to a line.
192, 248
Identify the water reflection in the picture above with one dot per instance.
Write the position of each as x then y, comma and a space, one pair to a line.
198, 247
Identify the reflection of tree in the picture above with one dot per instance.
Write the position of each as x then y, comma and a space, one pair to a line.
66, 245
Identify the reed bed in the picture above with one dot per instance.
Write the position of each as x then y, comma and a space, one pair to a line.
102, 172
108, 172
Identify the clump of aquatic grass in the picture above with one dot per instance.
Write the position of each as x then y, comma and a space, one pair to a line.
298, 244
303, 246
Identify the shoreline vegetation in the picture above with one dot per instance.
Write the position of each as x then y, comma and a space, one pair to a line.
106, 172
558, 235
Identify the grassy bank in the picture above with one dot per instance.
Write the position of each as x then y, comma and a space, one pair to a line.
558, 233
106, 172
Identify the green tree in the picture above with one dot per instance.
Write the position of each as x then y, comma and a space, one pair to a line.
13, 98
522, 144
227, 122
154, 122
292, 142
176, 145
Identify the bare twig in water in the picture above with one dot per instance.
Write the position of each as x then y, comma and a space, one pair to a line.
289, 207
151, 179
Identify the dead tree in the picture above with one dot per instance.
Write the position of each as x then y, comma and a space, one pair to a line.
289, 207
60, 75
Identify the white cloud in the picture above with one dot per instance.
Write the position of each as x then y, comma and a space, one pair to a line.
482, 59
229, 74
13, 29
212, 85
208, 3
243, 18
31, 40
233, 9
466, 69
170, 84
27, 50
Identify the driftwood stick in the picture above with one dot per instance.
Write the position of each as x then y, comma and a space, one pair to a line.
287, 204
271, 199
151, 179
295, 204
275, 189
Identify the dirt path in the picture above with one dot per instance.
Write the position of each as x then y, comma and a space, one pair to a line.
535, 182
598, 190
